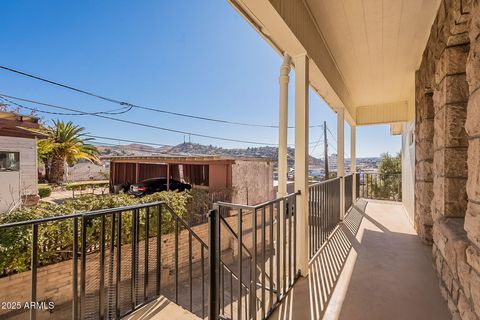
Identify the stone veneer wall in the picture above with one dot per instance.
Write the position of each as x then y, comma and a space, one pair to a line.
448, 131
424, 146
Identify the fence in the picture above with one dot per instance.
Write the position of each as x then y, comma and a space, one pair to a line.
265, 258
116, 260
324, 212
348, 180
379, 186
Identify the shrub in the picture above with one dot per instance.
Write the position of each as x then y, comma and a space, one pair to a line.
201, 201
44, 191
55, 238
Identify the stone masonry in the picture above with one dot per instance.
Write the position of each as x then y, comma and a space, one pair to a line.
447, 185
424, 148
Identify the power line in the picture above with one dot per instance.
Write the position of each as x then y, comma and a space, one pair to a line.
138, 123
3, 96
125, 140
331, 145
112, 112
328, 129
316, 145
131, 105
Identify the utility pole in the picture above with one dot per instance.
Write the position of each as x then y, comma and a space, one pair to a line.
325, 142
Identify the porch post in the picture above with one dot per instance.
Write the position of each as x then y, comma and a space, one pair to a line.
353, 159
283, 127
341, 158
301, 160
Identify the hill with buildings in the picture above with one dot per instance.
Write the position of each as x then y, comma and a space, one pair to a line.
250, 152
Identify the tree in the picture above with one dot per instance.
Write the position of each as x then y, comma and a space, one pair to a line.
66, 143
390, 164
388, 183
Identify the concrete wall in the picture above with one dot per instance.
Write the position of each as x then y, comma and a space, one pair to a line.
448, 153
252, 181
23, 183
85, 171
408, 169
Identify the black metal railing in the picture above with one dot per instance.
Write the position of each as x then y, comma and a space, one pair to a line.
348, 181
264, 257
116, 261
324, 212
379, 186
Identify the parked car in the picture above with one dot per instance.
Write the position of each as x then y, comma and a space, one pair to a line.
153, 185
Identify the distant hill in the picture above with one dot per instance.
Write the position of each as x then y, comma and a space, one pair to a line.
199, 149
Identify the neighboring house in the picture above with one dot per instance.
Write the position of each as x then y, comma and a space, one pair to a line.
18, 160
250, 180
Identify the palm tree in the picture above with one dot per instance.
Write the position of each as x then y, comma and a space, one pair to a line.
66, 143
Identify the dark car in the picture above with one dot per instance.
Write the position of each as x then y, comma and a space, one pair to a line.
156, 185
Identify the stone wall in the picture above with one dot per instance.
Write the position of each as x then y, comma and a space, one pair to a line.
424, 118
448, 132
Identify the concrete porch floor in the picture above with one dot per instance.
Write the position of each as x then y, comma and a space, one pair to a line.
373, 267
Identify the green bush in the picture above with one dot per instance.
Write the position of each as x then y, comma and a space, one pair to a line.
78, 186
44, 191
55, 238
201, 201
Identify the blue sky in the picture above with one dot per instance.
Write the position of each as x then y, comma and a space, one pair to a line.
196, 57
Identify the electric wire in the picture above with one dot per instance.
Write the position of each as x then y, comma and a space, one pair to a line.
137, 106
151, 126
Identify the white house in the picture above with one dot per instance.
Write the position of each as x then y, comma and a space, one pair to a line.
18, 160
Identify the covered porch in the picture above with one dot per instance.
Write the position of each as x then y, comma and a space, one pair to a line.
413, 65
373, 266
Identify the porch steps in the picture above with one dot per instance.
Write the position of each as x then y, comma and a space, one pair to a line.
161, 308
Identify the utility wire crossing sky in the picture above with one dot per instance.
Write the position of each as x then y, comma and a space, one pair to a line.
216, 85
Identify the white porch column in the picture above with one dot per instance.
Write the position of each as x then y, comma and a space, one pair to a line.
301, 160
283, 127
353, 159
341, 158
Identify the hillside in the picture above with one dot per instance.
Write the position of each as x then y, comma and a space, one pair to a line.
199, 149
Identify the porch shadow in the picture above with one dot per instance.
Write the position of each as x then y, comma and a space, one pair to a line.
310, 296
374, 266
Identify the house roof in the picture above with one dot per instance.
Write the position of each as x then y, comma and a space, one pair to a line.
17, 117
20, 126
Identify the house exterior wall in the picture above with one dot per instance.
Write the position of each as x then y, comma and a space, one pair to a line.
408, 169
447, 84
252, 181
217, 177
22, 184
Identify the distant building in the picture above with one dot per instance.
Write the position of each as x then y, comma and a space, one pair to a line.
18, 160
250, 180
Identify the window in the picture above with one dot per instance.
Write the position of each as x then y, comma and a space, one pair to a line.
9, 161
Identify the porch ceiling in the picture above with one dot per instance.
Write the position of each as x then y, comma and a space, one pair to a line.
366, 50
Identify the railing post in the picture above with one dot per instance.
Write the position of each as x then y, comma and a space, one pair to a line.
213, 258
341, 197
341, 158
33, 290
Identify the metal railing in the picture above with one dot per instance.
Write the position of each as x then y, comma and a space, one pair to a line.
264, 257
117, 260
324, 212
348, 181
379, 186
120, 259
